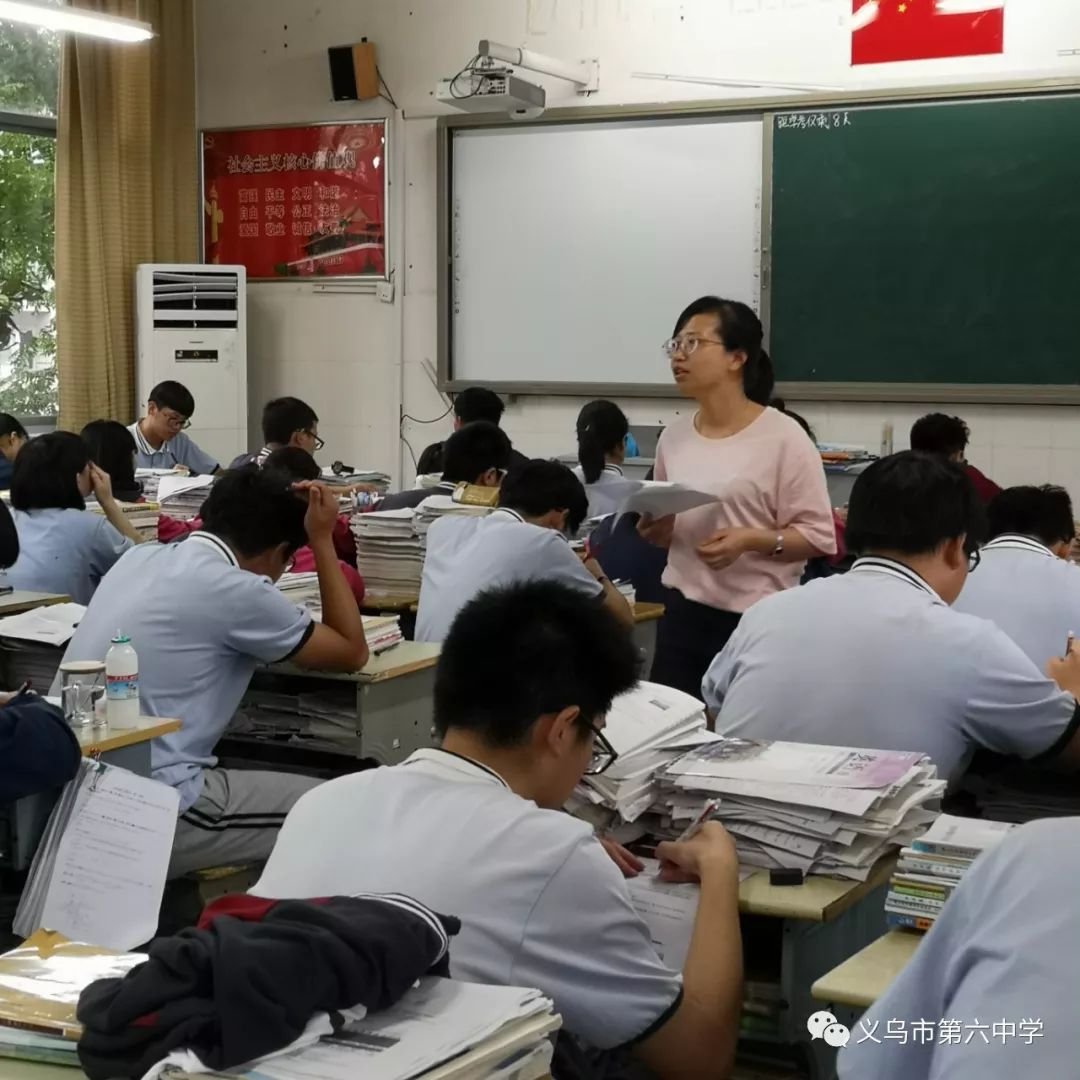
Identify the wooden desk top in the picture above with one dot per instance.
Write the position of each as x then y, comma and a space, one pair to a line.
103, 739
820, 899
648, 612
403, 659
17, 602
860, 980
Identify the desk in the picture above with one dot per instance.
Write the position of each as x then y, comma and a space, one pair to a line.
27, 818
12, 1069
810, 928
17, 602
859, 981
393, 706
646, 622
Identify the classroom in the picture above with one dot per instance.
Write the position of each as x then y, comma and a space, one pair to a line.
536, 539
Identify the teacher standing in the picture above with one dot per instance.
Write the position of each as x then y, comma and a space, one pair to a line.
773, 512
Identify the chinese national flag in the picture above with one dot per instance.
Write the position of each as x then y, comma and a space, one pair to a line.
884, 31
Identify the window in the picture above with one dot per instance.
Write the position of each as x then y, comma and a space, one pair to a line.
29, 78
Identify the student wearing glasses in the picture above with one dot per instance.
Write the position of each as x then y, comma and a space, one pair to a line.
877, 658
540, 902
160, 441
286, 421
773, 512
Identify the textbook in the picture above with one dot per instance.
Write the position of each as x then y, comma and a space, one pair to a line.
962, 838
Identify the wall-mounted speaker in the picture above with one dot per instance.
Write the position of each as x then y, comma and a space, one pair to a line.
354, 75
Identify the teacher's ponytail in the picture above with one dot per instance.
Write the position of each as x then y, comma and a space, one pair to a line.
602, 428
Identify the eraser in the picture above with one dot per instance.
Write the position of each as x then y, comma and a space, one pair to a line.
786, 876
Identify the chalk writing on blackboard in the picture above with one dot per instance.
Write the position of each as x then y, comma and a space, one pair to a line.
813, 121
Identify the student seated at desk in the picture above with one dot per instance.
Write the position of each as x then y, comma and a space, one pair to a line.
1001, 957
159, 436
478, 453
1026, 583
524, 682
112, 449
602, 429
949, 437
38, 750
63, 547
220, 615
286, 421
877, 658
472, 404
13, 438
540, 504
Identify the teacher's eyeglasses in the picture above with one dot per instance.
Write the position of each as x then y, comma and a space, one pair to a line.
686, 345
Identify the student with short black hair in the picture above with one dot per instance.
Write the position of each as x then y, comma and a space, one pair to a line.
478, 453
13, 437
877, 658
602, 429
472, 404
772, 512
1026, 583
541, 505
949, 436
112, 449
286, 421
159, 436
64, 548
224, 616
524, 681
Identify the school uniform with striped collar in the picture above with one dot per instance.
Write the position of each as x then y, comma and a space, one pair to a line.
1023, 587
178, 450
877, 659
607, 492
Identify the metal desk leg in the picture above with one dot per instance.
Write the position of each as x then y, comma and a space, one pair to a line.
393, 718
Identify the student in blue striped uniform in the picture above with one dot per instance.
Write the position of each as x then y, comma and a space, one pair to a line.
602, 429
1026, 583
159, 436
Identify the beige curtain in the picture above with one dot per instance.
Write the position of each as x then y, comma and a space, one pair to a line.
126, 193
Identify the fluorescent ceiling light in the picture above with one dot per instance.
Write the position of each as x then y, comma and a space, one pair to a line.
74, 21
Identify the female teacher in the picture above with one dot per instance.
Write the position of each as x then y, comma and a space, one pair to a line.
773, 511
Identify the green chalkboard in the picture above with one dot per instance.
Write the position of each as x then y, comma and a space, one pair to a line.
928, 244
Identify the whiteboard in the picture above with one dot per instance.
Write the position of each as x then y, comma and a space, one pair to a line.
575, 246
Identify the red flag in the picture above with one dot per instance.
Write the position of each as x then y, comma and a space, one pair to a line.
884, 31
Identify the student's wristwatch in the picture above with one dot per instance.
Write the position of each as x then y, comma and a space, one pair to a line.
779, 549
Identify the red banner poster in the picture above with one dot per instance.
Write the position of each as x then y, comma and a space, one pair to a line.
296, 201
884, 31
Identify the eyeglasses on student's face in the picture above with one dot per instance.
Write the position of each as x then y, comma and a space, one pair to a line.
319, 443
974, 558
687, 344
175, 420
604, 754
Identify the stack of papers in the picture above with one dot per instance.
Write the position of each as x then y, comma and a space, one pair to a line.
382, 631
40, 984
33, 642
389, 552
931, 868
151, 479
322, 719
441, 1029
649, 727
374, 477
819, 809
181, 497
437, 506
99, 872
142, 517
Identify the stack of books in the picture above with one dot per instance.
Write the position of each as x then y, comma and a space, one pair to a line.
382, 632
348, 475
143, 517
150, 479
931, 868
181, 497
322, 719
817, 809
649, 727
33, 642
40, 984
389, 552
438, 506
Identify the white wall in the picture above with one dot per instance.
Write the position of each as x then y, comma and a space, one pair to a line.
359, 361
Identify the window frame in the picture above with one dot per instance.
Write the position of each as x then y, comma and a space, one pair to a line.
29, 124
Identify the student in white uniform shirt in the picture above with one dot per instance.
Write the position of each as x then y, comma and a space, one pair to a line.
1026, 583
160, 441
218, 615
64, 548
540, 504
996, 980
478, 453
524, 682
602, 429
877, 658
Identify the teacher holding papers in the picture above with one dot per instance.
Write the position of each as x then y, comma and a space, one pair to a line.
772, 512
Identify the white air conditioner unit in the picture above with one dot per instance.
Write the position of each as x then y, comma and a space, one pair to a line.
191, 326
